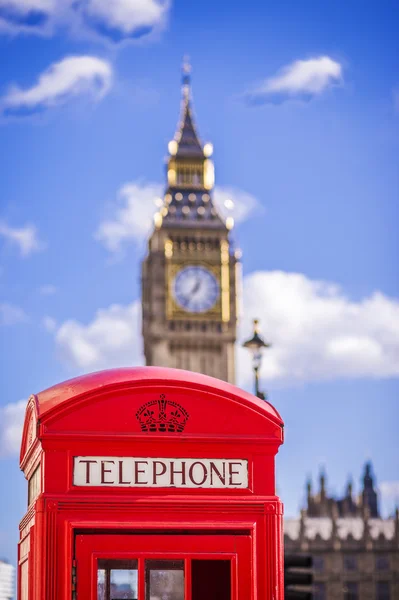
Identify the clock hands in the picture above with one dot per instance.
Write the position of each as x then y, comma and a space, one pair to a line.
195, 289
196, 286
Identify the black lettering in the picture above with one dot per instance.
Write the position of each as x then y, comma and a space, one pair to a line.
104, 470
121, 473
155, 472
138, 471
191, 472
174, 472
218, 473
88, 463
232, 473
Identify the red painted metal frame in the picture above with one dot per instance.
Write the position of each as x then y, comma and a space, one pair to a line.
237, 548
95, 415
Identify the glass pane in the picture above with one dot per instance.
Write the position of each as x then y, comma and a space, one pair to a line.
34, 485
123, 584
24, 580
211, 579
101, 585
117, 579
164, 579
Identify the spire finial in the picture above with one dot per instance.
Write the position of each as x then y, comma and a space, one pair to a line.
186, 72
322, 479
349, 487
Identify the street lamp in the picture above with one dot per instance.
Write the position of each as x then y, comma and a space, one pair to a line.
255, 345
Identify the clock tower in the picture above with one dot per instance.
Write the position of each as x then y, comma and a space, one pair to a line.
189, 276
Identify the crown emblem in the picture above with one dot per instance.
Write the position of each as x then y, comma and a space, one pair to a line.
162, 416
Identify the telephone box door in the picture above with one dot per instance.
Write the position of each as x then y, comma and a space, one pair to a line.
164, 566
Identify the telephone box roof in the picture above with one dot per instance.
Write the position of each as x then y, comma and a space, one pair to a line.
54, 397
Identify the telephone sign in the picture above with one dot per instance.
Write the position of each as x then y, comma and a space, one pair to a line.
122, 471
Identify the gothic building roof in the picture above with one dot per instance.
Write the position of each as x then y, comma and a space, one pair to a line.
319, 504
337, 522
188, 208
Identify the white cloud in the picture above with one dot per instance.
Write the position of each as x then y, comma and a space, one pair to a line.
48, 289
25, 238
125, 18
72, 76
11, 315
316, 332
28, 6
11, 424
136, 203
114, 20
390, 489
236, 203
49, 324
29, 16
132, 217
112, 339
301, 79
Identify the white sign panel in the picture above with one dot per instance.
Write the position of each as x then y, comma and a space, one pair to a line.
117, 471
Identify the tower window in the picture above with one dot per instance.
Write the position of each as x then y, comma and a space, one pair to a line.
351, 591
382, 563
383, 590
350, 563
319, 591
196, 178
318, 563
189, 175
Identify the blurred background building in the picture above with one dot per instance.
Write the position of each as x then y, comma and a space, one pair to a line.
6, 581
355, 551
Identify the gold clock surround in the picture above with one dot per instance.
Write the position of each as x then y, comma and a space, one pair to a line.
173, 309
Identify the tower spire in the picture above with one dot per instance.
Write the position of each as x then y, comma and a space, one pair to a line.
186, 74
187, 142
369, 495
190, 171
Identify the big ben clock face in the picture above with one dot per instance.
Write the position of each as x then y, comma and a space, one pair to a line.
195, 289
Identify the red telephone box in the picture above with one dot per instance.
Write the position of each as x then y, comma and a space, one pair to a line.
150, 484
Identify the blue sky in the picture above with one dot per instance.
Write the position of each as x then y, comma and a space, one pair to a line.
301, 102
